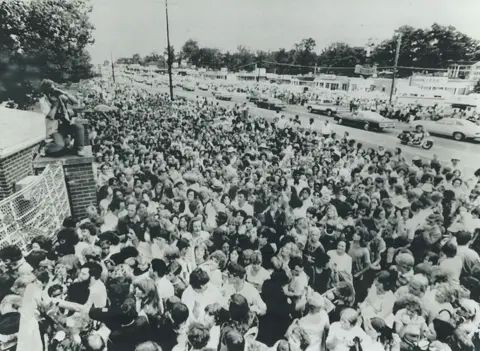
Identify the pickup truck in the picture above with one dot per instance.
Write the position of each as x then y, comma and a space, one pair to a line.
324, 106
270, 104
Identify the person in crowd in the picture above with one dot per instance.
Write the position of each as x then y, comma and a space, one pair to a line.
249, 234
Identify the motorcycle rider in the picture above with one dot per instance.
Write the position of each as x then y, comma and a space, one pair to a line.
419, 135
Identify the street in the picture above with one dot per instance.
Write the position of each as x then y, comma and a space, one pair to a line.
444, 148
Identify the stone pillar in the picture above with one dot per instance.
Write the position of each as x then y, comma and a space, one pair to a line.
20, 135
79, 178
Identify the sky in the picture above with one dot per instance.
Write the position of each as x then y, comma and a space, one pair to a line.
126, 27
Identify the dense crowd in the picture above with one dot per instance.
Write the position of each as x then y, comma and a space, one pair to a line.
218, 230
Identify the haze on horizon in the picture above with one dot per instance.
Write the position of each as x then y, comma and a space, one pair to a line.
126, 27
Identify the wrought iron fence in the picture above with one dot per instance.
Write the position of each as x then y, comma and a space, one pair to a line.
37, 209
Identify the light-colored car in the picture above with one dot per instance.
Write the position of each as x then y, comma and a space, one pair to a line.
458, 129
323, 106
368, 120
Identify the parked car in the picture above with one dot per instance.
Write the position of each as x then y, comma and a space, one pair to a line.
368, 120
270, 104
459, 129
252, 97
222, 95
188, 87
203, 87
323, 106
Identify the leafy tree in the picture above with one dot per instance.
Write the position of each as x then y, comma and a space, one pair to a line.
136, 59
190, 51
42, 39
434, 47
341, 55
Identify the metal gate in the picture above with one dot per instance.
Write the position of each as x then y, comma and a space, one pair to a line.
38, 209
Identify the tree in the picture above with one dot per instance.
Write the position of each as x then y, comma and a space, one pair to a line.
435, 47
190, 51
304, 55
136, 59
341, 55
42, 39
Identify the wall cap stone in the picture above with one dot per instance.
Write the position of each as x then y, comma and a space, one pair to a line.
67, 160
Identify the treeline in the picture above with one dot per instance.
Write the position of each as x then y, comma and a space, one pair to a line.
434, 48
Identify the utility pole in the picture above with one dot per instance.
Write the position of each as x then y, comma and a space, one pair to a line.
397, 54
257, 78
113, 66
169, 54
315, 72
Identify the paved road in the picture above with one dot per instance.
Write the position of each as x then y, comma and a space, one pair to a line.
445, 148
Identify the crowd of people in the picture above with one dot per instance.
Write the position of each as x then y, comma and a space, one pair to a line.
219, 230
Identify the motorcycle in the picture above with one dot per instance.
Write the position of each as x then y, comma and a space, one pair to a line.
407, 138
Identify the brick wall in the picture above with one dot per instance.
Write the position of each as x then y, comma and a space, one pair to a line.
81, 187
79, 178
14, 168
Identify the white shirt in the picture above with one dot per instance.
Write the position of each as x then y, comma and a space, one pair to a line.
247, 208
258, 278
343, 339
251, 294
340, 263
197, 301
164, 288
98, 294
110, 222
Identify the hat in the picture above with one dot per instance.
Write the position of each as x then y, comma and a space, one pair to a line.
231, 149
416, 158
400, 202
217, 185
427, 188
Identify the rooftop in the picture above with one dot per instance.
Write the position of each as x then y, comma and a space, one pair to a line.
20, 130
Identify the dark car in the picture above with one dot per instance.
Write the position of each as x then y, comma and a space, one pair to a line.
367, 120
253, 97
270, 104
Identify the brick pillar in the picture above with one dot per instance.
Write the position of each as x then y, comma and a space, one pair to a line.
15, 167
79, 178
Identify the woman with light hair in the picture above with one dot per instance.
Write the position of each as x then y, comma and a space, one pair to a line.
404, 263
147, 297
346, 334
315, 323
417, 286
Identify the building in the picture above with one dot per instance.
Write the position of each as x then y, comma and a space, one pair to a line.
453, 86
467, 70
331, 82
